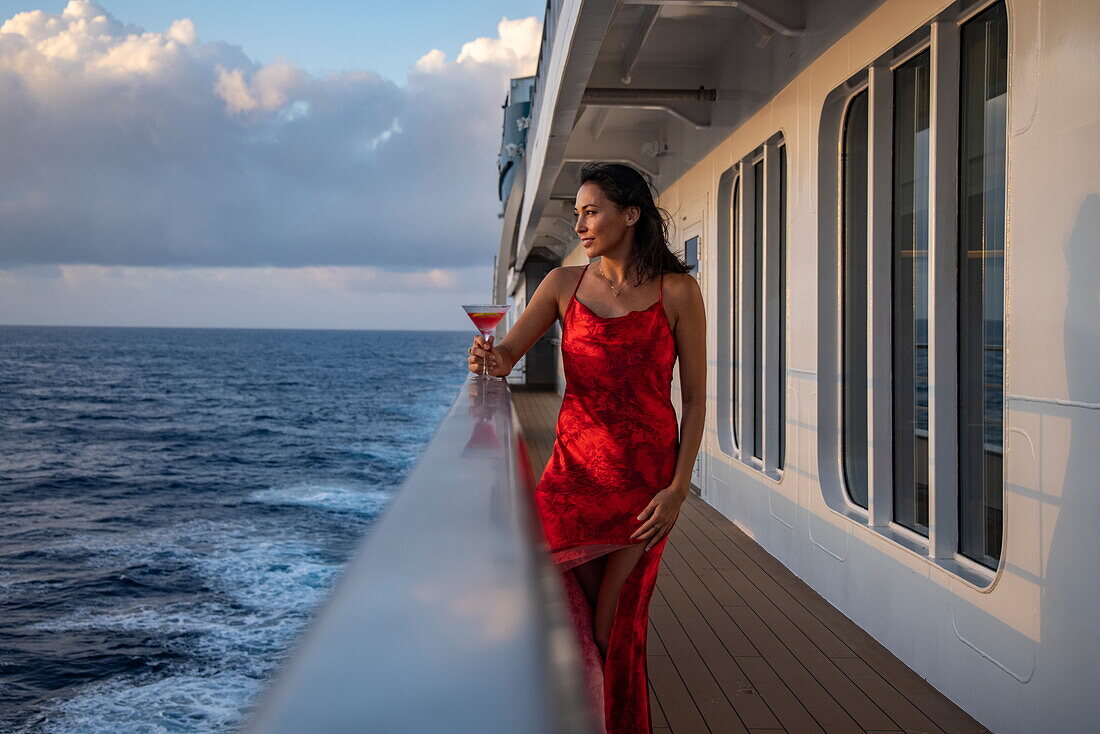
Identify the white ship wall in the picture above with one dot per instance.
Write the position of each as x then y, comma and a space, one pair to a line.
1023, 653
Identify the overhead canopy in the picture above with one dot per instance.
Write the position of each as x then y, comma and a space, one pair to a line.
656, 84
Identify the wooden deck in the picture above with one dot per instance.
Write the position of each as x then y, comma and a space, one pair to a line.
737, 643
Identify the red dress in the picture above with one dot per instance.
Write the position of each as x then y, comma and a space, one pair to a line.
616, 446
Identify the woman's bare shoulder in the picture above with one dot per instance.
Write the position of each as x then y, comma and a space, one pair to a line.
569, 271
563, 278
682, 288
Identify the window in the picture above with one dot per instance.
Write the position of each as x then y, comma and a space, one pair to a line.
729, 194
781, 317
735, 277
691, 255
752, 300
854, 294
982, 128
910, 292
758, 311
917, 177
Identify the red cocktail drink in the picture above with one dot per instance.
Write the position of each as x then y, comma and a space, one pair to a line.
486, 321
485, 318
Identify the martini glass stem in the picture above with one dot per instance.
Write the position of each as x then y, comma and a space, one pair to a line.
485, 360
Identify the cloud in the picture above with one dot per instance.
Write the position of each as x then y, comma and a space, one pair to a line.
349, 297
269, 89
124, 147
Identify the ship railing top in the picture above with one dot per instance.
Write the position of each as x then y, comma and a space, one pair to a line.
449, 617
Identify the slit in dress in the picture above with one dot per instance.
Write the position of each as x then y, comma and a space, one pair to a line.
576, 555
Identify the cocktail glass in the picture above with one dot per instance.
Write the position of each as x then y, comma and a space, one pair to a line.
485, 318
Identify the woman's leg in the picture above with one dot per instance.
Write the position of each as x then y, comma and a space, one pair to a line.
589, 575
619, 565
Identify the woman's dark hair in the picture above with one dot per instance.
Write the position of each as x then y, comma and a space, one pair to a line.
627, 187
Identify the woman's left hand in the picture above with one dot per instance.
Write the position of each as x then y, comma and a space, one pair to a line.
660, 515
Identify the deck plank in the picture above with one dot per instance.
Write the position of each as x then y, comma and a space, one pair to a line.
676, 701
716, 655
937, 707
706, 692
771, 595
792, 653
654, 646
738, 643
733, 637
905, 714
656, 713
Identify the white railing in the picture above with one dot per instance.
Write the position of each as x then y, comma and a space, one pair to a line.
450, 617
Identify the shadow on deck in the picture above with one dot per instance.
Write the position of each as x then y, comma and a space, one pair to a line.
738, 643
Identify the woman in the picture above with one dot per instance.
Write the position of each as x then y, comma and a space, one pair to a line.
620, 468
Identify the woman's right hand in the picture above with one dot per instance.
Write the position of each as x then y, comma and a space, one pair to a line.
500, 362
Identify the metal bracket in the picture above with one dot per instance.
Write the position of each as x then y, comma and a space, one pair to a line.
787, 17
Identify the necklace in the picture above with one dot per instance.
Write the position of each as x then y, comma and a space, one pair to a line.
616, 292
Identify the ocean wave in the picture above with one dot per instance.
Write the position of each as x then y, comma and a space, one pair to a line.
325, 497
262, 591
239, 558
201, 701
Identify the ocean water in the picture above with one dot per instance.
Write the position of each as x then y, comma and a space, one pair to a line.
176, 503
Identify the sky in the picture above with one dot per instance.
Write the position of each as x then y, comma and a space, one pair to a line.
320, 165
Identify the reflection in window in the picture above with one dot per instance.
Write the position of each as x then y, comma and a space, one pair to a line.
910, 293
854, 288
984, 60
758, 311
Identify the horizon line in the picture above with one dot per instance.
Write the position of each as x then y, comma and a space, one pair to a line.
223, 328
